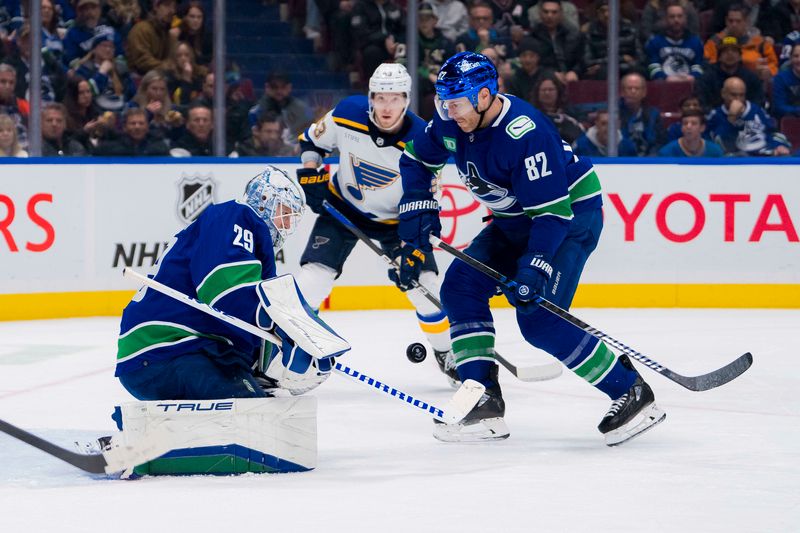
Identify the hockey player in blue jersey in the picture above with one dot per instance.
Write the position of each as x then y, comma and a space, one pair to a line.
167, 350
546, 206
370, 133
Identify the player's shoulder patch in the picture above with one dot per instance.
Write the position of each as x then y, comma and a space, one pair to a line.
520, 126
353, 108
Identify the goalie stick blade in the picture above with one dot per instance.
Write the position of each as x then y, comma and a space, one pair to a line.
713, 379
462, 402
94, 464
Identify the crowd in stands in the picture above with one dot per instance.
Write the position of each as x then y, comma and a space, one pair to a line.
133, 77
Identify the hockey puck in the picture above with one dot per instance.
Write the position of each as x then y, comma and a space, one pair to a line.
416, 352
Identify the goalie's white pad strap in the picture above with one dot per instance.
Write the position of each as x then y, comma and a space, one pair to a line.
285, 428
286, 307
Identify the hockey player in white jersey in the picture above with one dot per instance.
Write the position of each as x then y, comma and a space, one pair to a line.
370, 133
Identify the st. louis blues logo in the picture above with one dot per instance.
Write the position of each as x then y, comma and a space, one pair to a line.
496, 198
369, 176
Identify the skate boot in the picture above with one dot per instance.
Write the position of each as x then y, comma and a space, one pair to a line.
484, 423
631, 414
447, 364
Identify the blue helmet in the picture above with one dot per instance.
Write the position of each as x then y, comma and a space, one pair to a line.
465, 74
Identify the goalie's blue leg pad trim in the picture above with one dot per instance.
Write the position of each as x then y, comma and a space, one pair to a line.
192, 376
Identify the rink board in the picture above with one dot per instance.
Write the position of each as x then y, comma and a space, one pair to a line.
676, 235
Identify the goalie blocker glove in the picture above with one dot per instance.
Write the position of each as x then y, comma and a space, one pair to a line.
314, 182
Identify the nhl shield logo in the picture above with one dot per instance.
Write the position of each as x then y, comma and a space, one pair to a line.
195, 193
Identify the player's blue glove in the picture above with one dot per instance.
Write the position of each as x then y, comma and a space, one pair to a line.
410, 260
530, 282
418, 220
314, 182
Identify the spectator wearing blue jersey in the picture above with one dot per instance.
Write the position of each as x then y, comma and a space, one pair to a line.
742, 127
594, 143
80, 37
640, 123
108, 75
674, 54
786, 47
691, 143
52, 34
786, 88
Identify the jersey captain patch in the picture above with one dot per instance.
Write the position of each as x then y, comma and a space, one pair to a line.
369, 176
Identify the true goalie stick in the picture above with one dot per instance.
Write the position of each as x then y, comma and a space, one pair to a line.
523, 373
703, 382
456, 408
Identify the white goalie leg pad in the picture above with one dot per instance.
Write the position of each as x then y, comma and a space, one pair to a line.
264, 434
315, 281
283, 302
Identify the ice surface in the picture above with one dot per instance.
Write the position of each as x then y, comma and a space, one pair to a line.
725, 460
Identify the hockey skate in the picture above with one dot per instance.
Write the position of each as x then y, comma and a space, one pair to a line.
631, 414
484, 423
447, 365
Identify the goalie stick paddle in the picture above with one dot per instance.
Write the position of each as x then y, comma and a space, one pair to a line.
94, 464
525, 373
465, 398
703, 382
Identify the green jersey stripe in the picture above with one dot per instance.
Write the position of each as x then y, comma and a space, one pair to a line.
480, 345
561, 209
587, 186
228, 276
409, 151
151, 335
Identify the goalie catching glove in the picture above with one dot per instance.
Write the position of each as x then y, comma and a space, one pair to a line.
314, 182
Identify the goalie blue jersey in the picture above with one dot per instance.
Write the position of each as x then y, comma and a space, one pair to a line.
518, 167
218, 259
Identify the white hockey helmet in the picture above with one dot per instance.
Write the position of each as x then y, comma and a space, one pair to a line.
266, 193
389, 78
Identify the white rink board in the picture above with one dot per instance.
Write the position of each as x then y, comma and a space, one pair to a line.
739, 223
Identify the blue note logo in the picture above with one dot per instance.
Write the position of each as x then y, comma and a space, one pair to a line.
369, 176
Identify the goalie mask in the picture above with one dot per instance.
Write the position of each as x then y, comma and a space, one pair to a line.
389, 78
277, 200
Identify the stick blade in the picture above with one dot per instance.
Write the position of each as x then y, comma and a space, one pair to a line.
462, 402
716, 378
543, 372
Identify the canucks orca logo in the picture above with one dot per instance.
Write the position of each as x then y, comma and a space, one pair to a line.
369, 176
495, 197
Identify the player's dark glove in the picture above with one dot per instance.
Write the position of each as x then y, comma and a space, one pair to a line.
410, 260
419, 219
314, 182
530, 283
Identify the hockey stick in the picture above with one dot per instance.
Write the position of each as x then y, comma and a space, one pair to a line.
114, 459
456, 408
525, 373
703, 382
